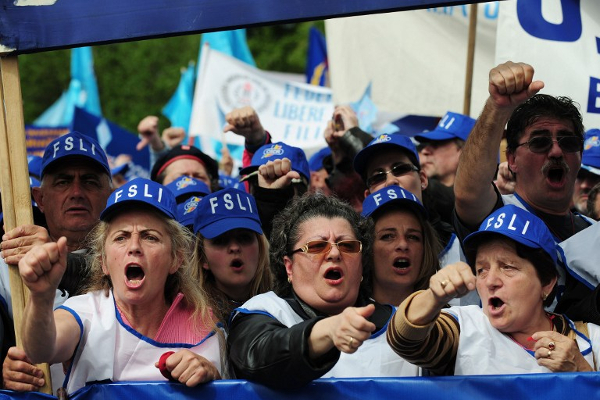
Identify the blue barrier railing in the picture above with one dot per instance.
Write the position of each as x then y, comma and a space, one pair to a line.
493, 387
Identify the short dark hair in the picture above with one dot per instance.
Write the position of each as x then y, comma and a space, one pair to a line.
538, 106
286, 232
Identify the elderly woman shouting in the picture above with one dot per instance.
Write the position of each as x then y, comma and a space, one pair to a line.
514, 258
319, 322
142, 306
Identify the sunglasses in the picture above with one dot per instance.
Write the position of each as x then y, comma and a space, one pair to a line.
323, 246
397, 170
541, 144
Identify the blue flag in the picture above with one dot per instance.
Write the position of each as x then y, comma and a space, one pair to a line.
179, 107
366, 110
317, 68
233, 43
82, 92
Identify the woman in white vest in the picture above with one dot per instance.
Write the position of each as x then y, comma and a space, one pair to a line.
514, 257
142, 318
319, 321
405, 245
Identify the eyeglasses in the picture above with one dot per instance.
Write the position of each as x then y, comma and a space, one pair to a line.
541, 144
323, 246
397, 170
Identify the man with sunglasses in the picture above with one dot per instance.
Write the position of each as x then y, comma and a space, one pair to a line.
544, 137
392, 160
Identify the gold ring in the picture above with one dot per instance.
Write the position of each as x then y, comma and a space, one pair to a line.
551, 345
352, 341
444, 283
549, 353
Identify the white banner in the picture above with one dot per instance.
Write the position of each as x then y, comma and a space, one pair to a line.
292, 112
559, 39
416, 60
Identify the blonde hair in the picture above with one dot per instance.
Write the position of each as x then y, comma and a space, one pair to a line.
180, 281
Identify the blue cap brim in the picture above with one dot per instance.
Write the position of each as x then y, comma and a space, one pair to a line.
435, 136
223, 225
473, 241
109, 211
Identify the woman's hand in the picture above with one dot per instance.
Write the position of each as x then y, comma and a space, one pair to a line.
559, 353
454, 280
346, 331
190, 368
43, 267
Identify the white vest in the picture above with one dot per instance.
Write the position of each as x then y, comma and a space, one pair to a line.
484, 350
374, 358
110, 350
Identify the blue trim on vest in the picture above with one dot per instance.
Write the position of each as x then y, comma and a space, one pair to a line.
78, 320
448, 246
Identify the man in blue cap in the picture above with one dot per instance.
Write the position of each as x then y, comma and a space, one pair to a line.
439, 149
276, 173
75, 185
589, 174
544, 136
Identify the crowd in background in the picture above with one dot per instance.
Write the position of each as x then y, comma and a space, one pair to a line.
380, 256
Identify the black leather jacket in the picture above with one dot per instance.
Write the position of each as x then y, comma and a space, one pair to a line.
265, 351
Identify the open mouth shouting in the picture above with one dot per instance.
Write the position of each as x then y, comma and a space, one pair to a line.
401, 265
237, 264
495, 305
334, 276
556, 172
134, 275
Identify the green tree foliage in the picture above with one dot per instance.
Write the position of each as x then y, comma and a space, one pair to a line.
136, 79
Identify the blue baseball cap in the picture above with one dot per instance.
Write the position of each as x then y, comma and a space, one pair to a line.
514, 223
226, 181
315, 163
392, 195
590, 158
383, 142
185, 186
452, 125
34, 164
224, 210
274, 151
186, 211
138, 191
74, 144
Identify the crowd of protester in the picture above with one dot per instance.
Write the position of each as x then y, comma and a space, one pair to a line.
380, 256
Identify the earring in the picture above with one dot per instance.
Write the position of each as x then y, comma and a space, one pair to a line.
544, 296
289, 279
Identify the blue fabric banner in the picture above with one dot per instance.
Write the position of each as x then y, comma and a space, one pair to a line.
30, 26
491, 387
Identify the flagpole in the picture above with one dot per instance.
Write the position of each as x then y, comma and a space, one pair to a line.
470, 58
14, 181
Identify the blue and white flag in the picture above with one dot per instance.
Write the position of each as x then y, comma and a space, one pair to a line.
292, 112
